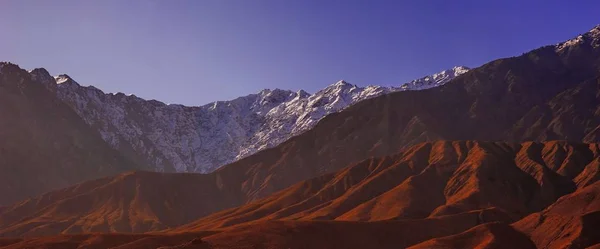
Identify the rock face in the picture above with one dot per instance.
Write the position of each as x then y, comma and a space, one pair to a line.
200, 139
44, 144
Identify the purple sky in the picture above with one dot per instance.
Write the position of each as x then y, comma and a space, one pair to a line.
195, 52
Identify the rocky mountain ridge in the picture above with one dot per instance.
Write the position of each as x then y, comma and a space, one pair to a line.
181, 138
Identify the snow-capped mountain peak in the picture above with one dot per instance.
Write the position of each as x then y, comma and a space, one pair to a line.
595, 32
274, 97
592, 37
202, 138
302, 94
434, 79
63, 78
341, 83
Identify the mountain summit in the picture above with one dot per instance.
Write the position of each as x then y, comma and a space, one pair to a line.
202, 138
591, 37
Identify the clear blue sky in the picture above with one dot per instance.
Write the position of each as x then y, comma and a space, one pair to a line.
195, 52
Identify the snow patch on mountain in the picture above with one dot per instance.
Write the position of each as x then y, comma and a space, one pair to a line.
202, 138
592, 37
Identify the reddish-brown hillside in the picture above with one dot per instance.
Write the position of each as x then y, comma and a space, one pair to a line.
507, 181
275, 234
461, 194
44, 145
569, 223
572, 222
104, 241
130, 202
486, 236
480, 181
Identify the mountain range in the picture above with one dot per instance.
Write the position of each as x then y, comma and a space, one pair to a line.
150, 135
177, 138
504, 155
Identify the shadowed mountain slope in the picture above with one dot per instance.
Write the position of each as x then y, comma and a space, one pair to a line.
44, 145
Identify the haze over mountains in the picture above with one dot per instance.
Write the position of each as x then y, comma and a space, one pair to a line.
473, 163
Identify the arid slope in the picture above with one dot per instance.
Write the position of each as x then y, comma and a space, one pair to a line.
569, 223
477, 181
